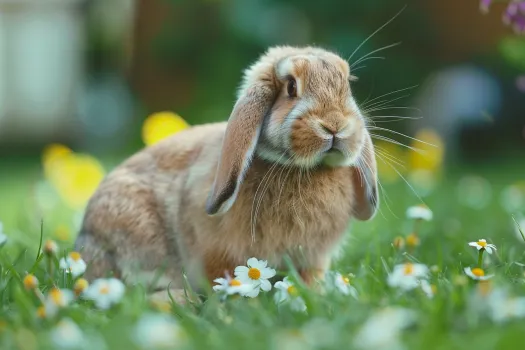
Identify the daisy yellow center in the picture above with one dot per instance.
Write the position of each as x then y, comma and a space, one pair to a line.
412, 240
346, 280
478, 272
56, 296
235, 283
80, 285
409, 269
75, 256
41, 312
104, 290
482, 244
254, 273
292, 291
30, 282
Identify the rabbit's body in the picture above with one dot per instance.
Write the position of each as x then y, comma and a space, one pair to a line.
284, 176
300, 213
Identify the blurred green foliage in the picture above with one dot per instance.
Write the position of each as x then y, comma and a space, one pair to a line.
218, 39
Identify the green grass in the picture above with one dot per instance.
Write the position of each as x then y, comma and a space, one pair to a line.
453, 319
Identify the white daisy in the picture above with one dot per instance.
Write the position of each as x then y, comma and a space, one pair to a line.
482, 244
383, 329
287, 294
336, 281
257, 274
55, 300
154, 331
477, 274
3, 236
503, 308
407, 276
73, 264
419, 212
30, 282
231, 286
67, 335
427, 288
105, 292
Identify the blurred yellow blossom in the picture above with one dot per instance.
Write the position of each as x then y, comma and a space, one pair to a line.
52, 154
41, 312
75, 176
30, 282
391, 159
160, 125
62, 233
430, 156
412, 240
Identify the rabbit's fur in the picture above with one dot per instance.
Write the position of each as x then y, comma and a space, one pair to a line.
262, 185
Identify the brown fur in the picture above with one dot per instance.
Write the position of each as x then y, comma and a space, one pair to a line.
150, 212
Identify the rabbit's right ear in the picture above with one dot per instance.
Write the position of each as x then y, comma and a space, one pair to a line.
242, 134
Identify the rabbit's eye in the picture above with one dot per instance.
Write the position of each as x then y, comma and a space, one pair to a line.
292, 87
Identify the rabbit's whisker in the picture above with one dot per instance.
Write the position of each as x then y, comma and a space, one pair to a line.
406, 181
284, 181
382, 103
401, 134
390, 119
389, 157
390, 107
387, 139
368, 55
365, 103
254, 213
375, 32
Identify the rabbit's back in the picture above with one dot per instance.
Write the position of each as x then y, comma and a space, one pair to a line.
131, 223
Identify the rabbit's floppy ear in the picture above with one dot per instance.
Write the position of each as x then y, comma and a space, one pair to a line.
240, 139
364, 176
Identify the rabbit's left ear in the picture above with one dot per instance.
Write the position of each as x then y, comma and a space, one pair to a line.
364, 176
240, 139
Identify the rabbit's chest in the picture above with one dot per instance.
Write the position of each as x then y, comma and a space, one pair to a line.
297, 212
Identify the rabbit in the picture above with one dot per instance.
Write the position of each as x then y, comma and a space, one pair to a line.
284, 176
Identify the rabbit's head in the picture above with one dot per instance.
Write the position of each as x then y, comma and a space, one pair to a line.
296, 107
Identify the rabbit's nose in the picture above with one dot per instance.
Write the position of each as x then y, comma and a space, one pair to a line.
329, 129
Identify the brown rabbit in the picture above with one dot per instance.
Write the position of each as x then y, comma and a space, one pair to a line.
284, 176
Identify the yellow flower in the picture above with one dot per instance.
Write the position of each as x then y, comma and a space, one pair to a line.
75, 177
41, 312
412, 240
30, 282
431, 152
53, 153
62, 233
50, 248
80, 286
160, 125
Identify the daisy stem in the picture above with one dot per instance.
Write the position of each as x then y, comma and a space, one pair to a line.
416, 225
480, 258
39, 295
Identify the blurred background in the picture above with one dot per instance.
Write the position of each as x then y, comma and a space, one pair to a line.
85, 83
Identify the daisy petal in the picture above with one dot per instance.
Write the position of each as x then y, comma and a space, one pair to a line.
266, 285
253, 262
267, 273
241, 270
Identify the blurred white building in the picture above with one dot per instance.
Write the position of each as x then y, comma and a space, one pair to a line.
43, 80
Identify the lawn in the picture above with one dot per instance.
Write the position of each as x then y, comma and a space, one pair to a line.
459, 312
